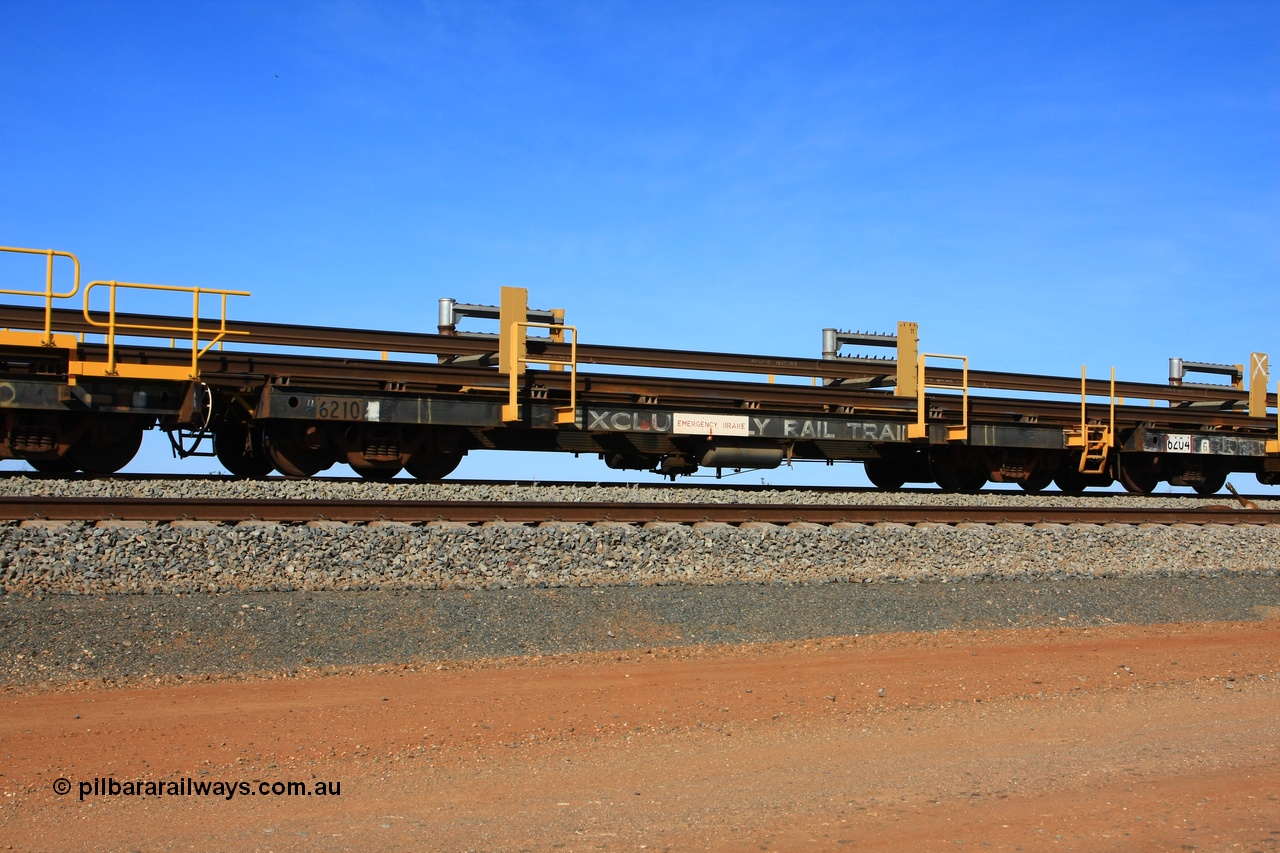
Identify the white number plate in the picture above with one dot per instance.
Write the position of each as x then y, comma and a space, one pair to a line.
1177, 444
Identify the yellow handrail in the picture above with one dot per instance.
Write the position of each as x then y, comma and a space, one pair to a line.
48, 293
113, 326
1274, 446
563, 415
919, 429
1099, 448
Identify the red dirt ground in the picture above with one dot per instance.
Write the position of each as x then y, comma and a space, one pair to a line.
1123, 738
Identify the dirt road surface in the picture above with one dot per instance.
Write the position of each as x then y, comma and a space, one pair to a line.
1111, 738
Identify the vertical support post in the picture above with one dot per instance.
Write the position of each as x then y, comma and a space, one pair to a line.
1084, 416
48, 301
111, 330
512, 309
1259, 379
1084, 420
557, 335
908, 352
920, 429
1274, 446
1111, 429
195, 329
513, 312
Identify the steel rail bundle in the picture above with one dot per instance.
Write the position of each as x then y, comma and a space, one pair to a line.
224, 510
446, 346
68, 403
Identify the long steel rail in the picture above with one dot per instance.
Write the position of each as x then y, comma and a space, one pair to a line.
368, 376
224, 510
311, 337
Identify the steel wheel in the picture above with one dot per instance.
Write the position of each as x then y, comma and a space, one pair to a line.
1214, 479
883, 474
242, 450
61, 465
298, 450
952, 474
377, 473
1068, 479
1037, 480
1137, 474
108, 445
433, 464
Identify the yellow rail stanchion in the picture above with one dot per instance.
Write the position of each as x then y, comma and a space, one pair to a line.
515, 355
48, 339
114, 327
920, 429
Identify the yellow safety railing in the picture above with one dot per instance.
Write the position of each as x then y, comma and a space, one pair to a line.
1095, 440
48, 293
114, 326
1274, 446
920, 429
516, 335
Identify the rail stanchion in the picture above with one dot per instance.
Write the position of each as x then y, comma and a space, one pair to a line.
48, 339
920, 429
114, 325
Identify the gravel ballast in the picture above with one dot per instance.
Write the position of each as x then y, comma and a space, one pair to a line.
117, 557
123, 558
126, 600
324, 488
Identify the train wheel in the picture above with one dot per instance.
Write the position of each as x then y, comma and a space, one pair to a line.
1137, 475
1068, 478
1268, 478
242, 450
431, 464
1037, 480
108, 445
298, 450
952, 474
883, 474
1214, 479
61, 465
376, 473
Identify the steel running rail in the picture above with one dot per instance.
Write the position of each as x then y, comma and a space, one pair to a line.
224, 510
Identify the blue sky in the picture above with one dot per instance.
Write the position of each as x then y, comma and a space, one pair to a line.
1038, 185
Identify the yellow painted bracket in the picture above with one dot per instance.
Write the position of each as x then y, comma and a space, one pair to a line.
48, 339
908, 356
37, 339
1259, 378
114, 327
920, 429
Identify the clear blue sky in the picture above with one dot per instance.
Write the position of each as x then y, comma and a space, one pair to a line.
1038, 185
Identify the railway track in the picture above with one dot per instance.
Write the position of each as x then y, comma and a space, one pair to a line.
690, 485
226, 510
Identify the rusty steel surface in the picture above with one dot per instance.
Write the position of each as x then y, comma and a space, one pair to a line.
311, 337
372, 376
530, 512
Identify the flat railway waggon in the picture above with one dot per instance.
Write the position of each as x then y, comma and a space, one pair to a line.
79, 386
